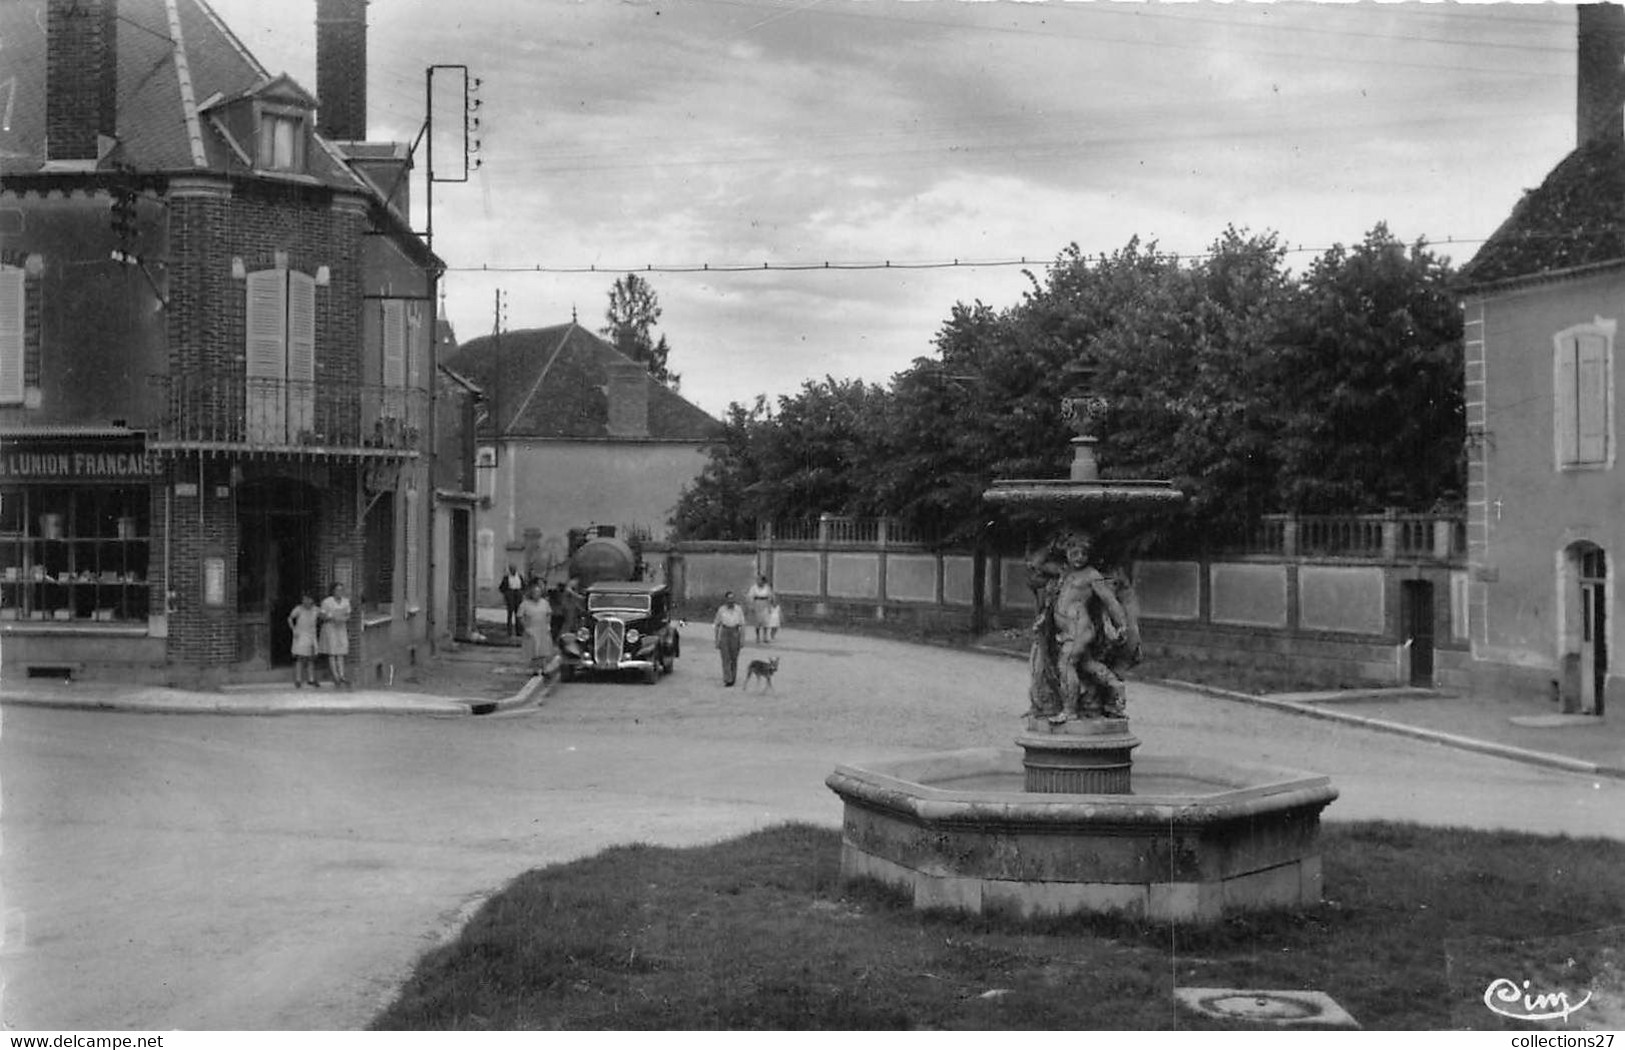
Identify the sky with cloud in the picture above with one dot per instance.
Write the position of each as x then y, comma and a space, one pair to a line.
627, 134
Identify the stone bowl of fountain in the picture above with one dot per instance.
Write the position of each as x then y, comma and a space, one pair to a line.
1068, 820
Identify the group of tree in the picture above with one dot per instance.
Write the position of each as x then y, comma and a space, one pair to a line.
1255, 389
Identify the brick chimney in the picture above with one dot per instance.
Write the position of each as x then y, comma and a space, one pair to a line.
1600, 73
341, 69
628, 393
81, 78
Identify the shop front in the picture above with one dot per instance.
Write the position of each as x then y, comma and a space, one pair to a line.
76, 559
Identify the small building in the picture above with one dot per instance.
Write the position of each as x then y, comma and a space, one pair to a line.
215, 356
1543, 300
574, 434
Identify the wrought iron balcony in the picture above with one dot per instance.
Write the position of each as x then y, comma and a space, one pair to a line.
234, 413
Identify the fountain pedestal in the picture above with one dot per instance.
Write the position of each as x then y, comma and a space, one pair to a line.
1081, 757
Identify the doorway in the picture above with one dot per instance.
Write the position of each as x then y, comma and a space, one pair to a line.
276, 564
1593, 587
1416, 626
461, 600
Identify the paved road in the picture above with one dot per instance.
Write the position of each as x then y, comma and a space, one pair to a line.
202, 872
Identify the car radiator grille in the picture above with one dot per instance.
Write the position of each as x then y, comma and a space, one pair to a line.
609, 640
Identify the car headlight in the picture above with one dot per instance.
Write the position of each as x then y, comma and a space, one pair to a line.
632, 636
583, 634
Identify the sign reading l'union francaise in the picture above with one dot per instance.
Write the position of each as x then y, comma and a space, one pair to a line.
76, 464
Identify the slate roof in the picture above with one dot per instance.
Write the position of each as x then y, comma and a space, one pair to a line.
1575, 219
162, 128
551, 382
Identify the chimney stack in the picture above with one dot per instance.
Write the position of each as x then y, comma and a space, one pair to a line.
628, 393
81, 78
341, 69
1600, 73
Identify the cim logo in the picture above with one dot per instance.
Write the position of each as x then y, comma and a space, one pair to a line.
1509, 999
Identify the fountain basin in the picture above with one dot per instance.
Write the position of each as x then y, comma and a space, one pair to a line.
1195, 840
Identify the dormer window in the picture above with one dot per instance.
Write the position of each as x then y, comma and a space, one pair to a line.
281, 139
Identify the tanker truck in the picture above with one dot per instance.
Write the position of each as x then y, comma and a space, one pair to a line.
622, 623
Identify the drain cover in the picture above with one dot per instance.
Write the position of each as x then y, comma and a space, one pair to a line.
1266, 1008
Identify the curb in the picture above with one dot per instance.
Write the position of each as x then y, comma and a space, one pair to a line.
1465, 743
1319, 710
531, 694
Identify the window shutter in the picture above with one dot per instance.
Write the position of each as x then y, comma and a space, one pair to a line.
410, 596
394, 343
13, 317
1591, 399
301, 354
267, 362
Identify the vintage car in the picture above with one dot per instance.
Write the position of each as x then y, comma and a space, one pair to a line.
626, 625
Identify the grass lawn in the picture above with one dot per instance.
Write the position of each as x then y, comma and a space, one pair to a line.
759, 933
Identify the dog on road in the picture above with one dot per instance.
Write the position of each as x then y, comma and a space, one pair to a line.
762, 669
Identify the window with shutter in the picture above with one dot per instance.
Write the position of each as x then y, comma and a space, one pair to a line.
1583, 406
394, 368
13, 334
410, 596
267, 357
301, 356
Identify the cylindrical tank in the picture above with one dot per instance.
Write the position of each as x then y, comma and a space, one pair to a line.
602, 558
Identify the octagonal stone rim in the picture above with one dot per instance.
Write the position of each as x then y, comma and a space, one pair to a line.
897, 786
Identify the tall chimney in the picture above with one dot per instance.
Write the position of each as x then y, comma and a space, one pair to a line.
628, 393
341, 69
81, 77
1600, 73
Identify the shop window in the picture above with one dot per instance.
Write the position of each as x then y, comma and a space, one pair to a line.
74, 553
1583, 378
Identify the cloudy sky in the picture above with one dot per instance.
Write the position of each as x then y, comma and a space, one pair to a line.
771, 135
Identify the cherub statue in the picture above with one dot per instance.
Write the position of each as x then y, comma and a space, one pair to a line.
1085, 635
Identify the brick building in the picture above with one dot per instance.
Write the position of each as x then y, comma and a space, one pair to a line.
216, 355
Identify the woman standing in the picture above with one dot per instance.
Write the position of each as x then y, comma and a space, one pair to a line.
335, 621
761, 599
303, 622
533, 617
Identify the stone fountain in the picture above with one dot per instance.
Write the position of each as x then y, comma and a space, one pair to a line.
1069, 821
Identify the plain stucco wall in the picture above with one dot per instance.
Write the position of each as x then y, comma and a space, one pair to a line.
1252, 595
1524, 513
555, 486
1169, 590
1342, 598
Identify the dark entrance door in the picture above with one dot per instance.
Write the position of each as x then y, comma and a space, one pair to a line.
461, 626
1416, 624
276, 563
1593, 629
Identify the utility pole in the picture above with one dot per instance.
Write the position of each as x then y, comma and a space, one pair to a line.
470, 145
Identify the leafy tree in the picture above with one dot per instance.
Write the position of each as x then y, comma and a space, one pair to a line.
1370, 390
720, 504
633, 312
1254, 390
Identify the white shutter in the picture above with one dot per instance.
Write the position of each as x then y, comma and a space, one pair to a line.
412, 554
394, 373
267, 356
1566, 407
13, 315
301, 354
1591, 399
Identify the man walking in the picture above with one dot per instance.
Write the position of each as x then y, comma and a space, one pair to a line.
730, 631
513, 592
